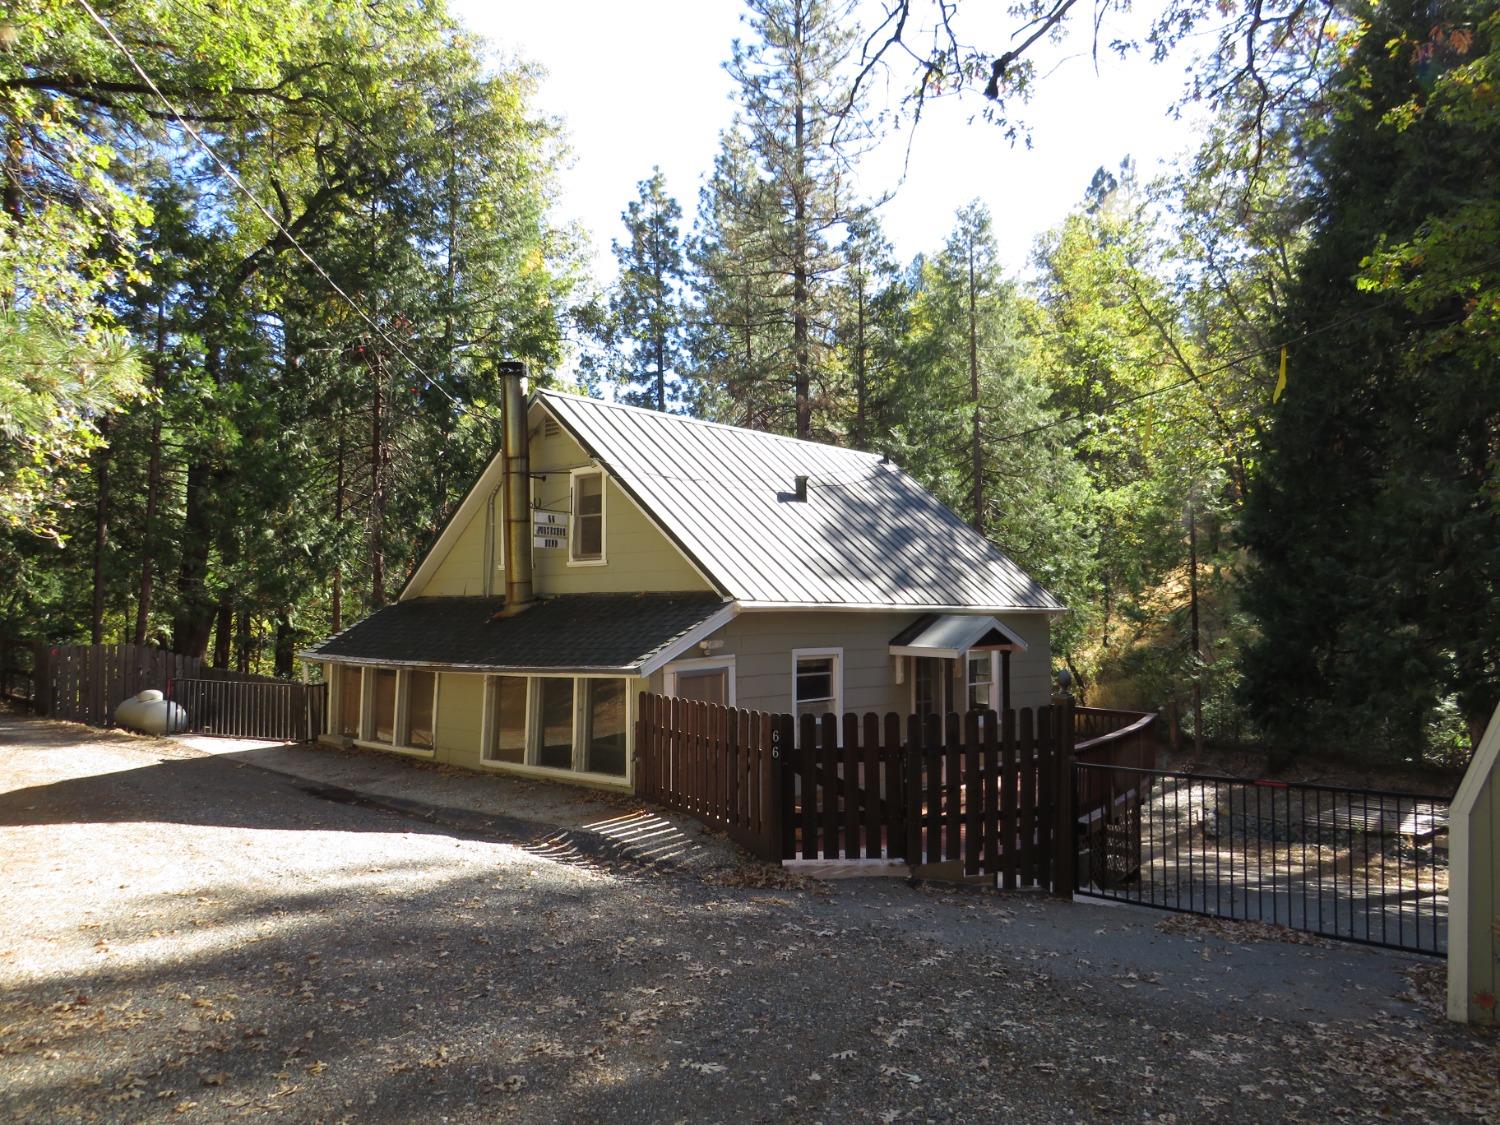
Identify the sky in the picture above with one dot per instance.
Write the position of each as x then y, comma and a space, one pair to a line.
642, 83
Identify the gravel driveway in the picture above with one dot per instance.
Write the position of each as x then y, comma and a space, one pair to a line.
189, 936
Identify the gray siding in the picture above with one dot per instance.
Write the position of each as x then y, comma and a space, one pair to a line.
762, 644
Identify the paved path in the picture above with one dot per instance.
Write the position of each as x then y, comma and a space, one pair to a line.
185, 936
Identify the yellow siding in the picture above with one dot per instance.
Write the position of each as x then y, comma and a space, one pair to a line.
638, 556
461, 573
460, 718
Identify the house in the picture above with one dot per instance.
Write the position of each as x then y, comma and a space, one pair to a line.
608, 550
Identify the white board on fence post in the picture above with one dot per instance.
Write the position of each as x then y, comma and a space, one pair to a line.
549, 530
1474, 886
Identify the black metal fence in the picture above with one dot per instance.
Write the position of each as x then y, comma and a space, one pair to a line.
272, 710
1361, 865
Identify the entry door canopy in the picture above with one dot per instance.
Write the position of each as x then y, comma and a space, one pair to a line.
950, 635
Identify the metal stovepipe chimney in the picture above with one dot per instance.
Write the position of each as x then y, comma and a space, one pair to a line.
515, 448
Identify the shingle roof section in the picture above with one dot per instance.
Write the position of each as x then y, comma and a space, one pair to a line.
867, 535
572, 633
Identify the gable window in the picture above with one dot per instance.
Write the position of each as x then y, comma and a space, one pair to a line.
508, 741
817, 681
586, 544
981, 681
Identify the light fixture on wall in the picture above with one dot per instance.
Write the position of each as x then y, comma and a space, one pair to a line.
710, 646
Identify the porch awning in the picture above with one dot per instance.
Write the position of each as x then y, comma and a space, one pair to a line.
950, 635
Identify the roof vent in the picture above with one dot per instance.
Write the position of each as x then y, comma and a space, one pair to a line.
550, 428
800, 492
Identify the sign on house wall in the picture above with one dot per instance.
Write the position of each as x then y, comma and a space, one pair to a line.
549, 530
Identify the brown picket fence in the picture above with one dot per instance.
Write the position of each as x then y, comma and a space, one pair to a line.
85, 683
974, 796
719, 764
970, 795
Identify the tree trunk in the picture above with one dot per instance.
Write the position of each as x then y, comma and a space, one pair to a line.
978, 445
153, 484
242, 641
337, 608
659, 321
801, 349
194, 618
1197, 649
861, 391
101, 535
15, 157
223, 623
377, 488
749, 354
285, 643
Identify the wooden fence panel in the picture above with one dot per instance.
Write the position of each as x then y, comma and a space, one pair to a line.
982, 792
719, 764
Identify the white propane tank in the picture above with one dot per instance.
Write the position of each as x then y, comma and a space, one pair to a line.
151, 712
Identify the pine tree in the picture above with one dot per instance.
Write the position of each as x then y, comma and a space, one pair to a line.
646, 308
1373, 523
803, 134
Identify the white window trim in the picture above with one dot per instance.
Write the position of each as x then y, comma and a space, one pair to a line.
588, 470
702, 664
367, 737
581, 726
838, 676
994, 704
403, 710
529, 766
534, 729
489, 726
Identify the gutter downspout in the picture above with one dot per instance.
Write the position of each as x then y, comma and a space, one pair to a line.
515, 447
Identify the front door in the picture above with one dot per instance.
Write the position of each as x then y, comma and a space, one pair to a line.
933, 680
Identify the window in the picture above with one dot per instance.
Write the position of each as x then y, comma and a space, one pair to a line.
604, 734
508, 742
421, 687
556, 749
385, 705
588, 517
709, 679
981, 681
351, 679
817, 675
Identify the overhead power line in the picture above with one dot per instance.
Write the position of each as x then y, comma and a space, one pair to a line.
1235, 360
233, 178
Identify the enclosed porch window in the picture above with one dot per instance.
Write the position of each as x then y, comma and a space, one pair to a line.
351, 699
565, 723
508, 702
604, 727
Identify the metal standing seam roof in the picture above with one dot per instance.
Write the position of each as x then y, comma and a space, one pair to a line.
569, 633
867, 535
